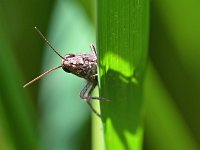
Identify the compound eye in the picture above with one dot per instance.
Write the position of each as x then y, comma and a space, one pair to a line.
69, 55
66, 70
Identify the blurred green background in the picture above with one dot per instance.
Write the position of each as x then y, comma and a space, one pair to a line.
50, 115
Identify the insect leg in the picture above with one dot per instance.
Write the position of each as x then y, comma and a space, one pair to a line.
92, 47
89, 97
84, 90
82, 95
91, 107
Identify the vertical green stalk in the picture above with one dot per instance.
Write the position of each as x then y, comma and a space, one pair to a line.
17, 114
122, 44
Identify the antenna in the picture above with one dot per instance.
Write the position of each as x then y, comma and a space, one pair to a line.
40, 76
48, 43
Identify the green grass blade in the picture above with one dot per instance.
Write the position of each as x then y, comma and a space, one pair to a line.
122, 44
15, 103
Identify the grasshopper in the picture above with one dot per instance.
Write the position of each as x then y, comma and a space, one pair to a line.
81, 65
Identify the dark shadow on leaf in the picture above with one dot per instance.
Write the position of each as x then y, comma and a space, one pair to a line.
125, 109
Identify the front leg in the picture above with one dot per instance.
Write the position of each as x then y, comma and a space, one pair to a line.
84, 91
82, 95
89, 96
93, 97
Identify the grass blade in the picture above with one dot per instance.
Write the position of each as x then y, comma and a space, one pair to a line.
122, 44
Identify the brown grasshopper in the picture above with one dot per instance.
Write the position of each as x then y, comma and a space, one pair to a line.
81, 65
